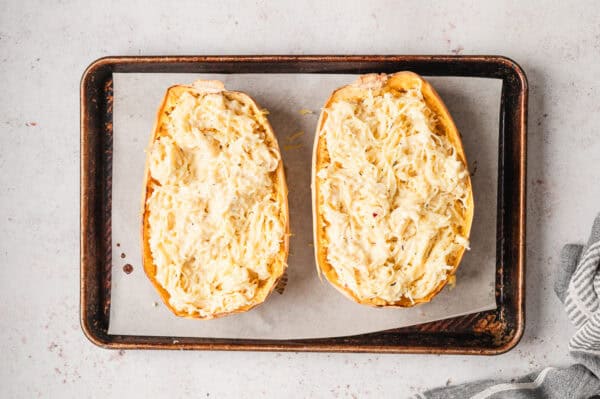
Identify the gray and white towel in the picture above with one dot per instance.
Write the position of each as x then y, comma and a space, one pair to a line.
578, 287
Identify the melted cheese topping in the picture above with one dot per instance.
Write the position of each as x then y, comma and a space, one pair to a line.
215, 225
392, 195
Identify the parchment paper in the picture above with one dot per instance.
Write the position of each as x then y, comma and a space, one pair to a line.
309, 308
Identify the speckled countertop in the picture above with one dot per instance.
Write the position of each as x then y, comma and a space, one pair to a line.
44, 48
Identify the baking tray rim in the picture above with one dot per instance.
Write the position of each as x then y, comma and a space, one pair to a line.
184, 343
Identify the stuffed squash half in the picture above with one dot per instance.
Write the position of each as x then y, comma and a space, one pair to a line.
215, 213
392, 196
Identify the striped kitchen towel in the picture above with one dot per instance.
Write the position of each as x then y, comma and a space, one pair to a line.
577, 285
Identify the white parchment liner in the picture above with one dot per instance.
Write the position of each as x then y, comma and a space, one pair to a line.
308, 308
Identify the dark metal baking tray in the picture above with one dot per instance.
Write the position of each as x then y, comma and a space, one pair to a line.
485, 333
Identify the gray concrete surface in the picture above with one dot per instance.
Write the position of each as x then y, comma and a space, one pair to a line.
44, 48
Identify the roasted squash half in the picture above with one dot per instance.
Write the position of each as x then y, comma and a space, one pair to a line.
215, 228
392, 196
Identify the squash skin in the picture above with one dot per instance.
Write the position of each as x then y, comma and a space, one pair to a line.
397, 81
203, 87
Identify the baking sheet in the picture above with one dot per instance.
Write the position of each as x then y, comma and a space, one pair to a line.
309, 308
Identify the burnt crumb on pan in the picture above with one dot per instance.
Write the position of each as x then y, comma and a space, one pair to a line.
123, 255
490, 324
280, 287
118, 244
127, 268
31, 124
474, 168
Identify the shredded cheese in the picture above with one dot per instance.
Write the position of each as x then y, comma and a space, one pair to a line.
392, 196
290, 147
215, 224
294, 136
